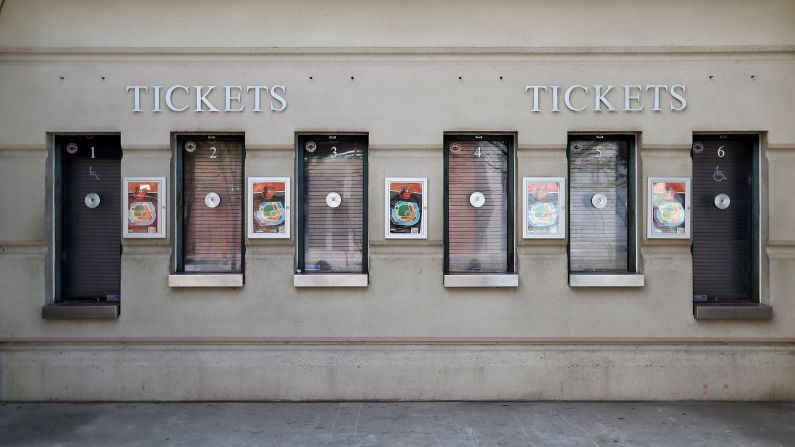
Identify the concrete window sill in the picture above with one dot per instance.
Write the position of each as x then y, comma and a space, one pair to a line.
732, 312
481, 280
606, 280
331, 280
217, 280
80, 311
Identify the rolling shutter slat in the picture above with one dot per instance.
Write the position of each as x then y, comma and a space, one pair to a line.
598, 237
334, 237
213, 235
91, 248
722, 239
478, 237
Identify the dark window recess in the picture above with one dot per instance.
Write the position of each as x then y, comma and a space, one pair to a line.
723, 239
600, 215
212, 236
333, 198
90, 245
478, 194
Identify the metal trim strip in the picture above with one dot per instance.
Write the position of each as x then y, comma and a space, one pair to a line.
331, 280
606, 280
218, 280
482, 280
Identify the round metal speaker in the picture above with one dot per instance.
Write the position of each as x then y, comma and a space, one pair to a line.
599, 200
722, 201
477, 199
333, 200
212, 200
92, 200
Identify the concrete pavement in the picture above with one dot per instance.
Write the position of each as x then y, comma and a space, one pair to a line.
398, 424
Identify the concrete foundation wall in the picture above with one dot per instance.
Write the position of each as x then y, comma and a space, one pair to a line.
418, 71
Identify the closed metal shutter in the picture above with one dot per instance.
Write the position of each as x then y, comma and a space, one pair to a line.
213, 236
723, 239
90, 237
478, 238
599, 234
333, 238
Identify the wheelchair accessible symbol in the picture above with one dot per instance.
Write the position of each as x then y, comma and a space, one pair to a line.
718, 175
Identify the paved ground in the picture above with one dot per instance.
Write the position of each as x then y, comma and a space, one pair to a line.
399, 424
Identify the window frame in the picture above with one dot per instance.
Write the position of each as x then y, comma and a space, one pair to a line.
299, 269
757, 206
55, 306
510, 139
178, 277
633, 276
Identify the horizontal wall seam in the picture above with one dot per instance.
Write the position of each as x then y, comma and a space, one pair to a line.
377, 50
574, 343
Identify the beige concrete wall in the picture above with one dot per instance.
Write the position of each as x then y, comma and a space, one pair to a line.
406, 59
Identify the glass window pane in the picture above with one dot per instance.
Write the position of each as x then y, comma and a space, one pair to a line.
477, 234
333, 205
598, 206
213, 235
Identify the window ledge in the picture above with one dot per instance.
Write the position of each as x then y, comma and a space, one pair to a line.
217, 280
331, 280
482, 280
80, 311
732, 312
606, 280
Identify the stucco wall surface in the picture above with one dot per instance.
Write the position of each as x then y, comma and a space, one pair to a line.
405, 73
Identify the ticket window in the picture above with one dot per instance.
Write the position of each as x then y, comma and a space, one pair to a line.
332, 212
725, 219
87, 197
478, 190
209, 211
602, 211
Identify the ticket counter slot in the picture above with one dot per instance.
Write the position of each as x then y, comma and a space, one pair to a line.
602, 225
479, 211
87, 221
209, 211
726, 227
332, 211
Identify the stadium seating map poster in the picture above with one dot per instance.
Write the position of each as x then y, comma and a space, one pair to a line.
544, 207
669, 206
406, 208
144, 209
269, 207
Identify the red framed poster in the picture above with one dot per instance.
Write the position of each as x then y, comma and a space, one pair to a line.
144, 207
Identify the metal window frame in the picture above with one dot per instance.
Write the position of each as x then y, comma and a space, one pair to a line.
633, 277
327, 279
758, 206
510, 138
178, 277
53, 300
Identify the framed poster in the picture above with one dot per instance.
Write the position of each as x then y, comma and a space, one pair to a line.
268, 207
544, 207
406, 212
669, 208
144, 207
